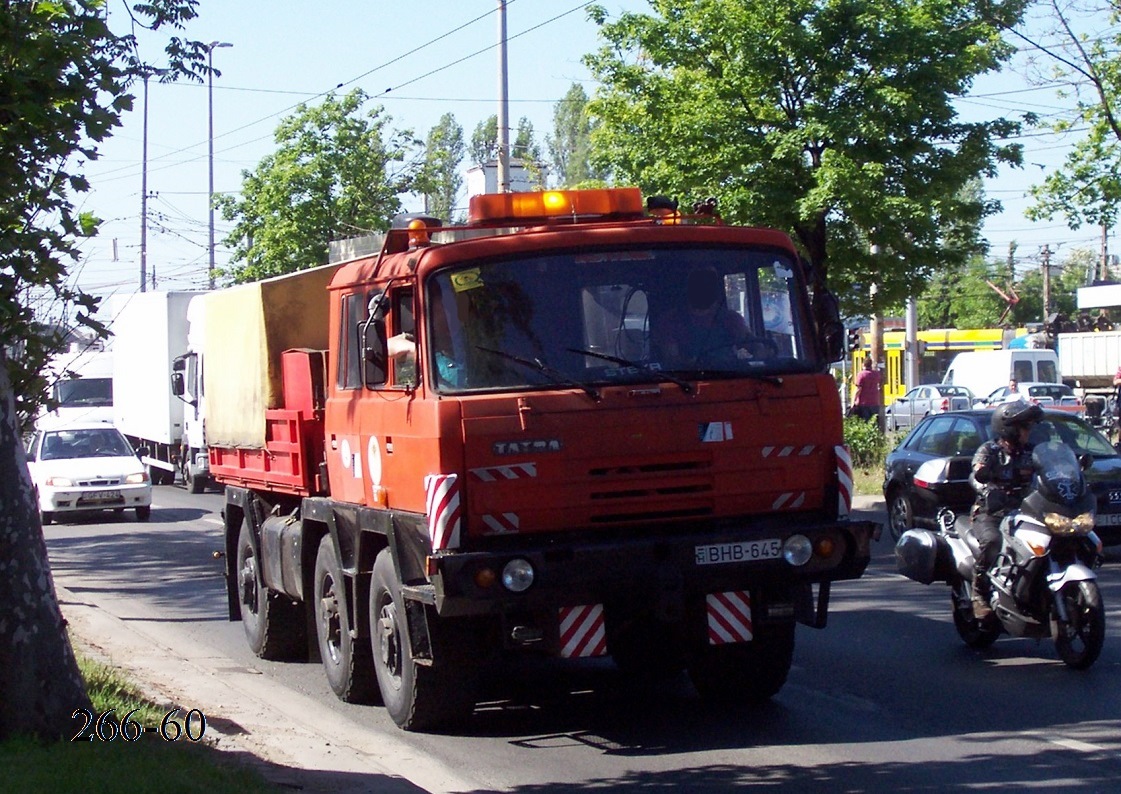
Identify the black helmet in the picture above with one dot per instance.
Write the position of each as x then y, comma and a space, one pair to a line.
1009, 417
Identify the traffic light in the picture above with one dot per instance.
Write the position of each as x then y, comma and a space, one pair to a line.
854, 339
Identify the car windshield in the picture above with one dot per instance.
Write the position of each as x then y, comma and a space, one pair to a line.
620, 316
84, 443
1077, 435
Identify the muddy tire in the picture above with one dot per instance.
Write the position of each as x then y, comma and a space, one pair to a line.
274, 624
748, 672
417, 697
346, 661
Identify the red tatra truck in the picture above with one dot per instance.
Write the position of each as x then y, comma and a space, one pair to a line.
574, 426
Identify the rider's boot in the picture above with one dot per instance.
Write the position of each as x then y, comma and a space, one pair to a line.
981, 593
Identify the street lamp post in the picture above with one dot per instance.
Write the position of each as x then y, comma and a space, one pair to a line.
210, 151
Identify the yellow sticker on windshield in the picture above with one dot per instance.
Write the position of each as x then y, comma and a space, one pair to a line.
467, 279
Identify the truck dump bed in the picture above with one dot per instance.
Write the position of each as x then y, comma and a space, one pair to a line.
247, 328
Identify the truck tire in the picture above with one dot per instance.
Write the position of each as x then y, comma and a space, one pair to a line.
195, 484
274, 624
416, 697
749, 672
348, 664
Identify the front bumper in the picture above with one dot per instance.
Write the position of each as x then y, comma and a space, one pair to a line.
73, 500
685, 566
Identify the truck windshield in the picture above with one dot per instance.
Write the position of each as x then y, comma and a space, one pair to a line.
603, 317
95, 392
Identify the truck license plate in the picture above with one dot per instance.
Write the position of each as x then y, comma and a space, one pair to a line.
745, 551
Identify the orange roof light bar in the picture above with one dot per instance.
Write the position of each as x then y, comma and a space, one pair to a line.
542, 205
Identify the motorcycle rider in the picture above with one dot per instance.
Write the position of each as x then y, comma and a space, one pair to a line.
1000, 474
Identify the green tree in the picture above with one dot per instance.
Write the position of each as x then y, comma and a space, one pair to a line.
833, 119
65, 77
440, 179
331, 176
1087, 188
484, 141
570, 143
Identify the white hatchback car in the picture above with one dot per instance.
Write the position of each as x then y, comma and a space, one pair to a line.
84, 467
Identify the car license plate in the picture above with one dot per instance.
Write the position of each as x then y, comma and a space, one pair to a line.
99, 497
745, 551
1108, 519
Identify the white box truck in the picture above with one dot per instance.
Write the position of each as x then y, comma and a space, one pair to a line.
187, 385
81, 382
985, 371
150, 330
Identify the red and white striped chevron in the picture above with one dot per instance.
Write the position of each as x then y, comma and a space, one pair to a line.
443, 508
790, 500
729, 617
516, 471
787, 451
582, 631
500, 523
844, 480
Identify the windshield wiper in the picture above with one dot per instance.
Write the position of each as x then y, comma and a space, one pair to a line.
685, 385
538, 365
774, 380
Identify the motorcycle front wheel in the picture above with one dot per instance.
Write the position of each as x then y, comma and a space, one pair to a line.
1080, 641
974, 633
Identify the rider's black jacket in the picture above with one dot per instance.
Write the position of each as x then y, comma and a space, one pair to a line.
1000, 474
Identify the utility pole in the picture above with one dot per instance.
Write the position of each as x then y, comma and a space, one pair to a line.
144, 195
503, 105
1046, 255
210, 151
1105, 253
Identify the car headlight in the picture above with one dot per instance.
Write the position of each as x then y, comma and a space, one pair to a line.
517, 575
797, 550
60, 482
1059, 524
136, 479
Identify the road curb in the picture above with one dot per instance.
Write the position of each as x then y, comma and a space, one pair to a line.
294, 741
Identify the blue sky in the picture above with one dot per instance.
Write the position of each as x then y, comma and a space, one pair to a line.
285, 52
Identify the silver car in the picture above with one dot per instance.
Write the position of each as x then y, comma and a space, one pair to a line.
932, 398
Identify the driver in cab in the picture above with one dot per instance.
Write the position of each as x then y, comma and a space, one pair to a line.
704, 330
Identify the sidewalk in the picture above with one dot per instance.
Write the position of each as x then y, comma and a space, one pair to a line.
292, 740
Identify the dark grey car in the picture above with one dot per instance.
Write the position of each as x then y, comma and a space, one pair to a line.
930, 467
921, 401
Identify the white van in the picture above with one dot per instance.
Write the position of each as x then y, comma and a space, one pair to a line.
985, 371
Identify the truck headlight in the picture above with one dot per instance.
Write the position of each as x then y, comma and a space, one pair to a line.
517, 575
797, 550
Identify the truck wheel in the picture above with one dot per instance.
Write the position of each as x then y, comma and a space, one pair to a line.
195, 484
749, 672
273, 623
347, 663
416, 697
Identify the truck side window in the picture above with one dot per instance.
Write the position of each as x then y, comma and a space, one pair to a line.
404, 322
353, 312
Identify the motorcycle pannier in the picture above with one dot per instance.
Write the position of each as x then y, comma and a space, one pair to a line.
924, 556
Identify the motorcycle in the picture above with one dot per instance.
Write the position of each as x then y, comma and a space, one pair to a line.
1043, 582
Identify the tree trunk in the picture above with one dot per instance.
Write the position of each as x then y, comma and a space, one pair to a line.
40, 685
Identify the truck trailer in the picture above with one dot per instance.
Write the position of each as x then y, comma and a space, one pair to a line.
149, 331
522, 437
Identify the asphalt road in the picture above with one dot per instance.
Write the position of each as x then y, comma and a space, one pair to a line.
886, 697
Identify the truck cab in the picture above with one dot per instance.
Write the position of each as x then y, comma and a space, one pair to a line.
572, 427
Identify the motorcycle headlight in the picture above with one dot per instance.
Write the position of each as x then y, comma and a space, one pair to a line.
1066, 525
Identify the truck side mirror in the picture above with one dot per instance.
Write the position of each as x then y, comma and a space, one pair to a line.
375, 354
178, 386
827, 313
